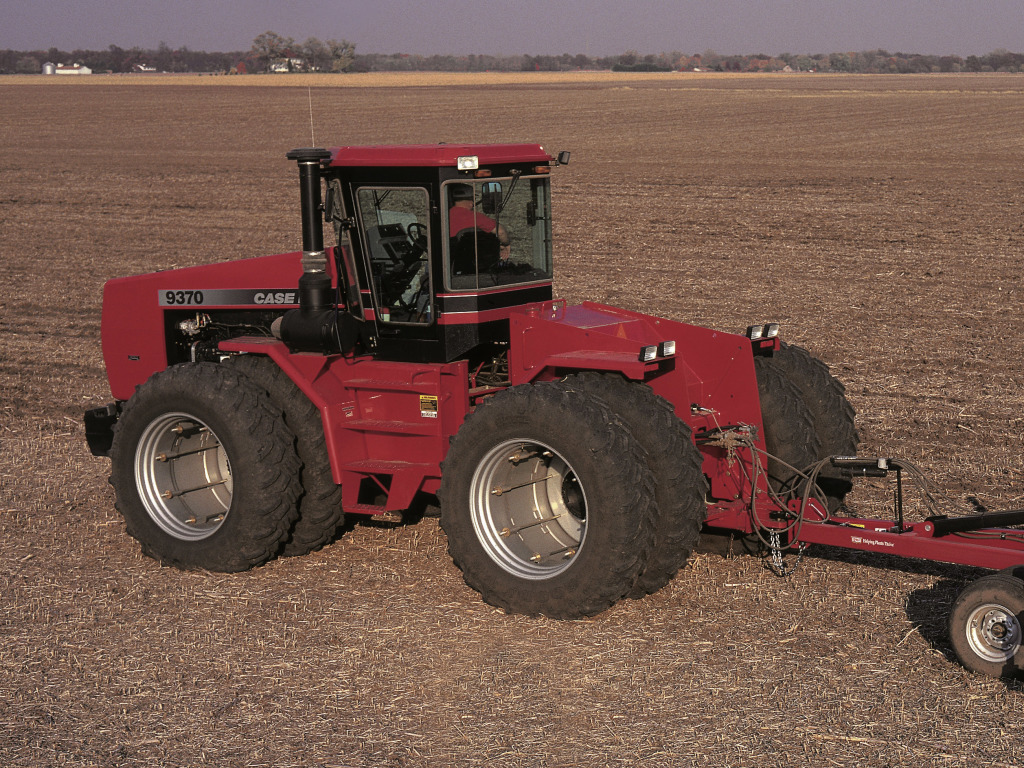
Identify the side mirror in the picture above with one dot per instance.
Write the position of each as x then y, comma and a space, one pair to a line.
490, 198
329, 204
563, 158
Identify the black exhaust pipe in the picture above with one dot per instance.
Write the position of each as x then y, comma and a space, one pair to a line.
311, 327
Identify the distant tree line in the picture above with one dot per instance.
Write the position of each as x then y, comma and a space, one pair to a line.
116, 59
271, 52
878, 61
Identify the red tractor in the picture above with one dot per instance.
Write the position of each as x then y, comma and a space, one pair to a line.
577, 452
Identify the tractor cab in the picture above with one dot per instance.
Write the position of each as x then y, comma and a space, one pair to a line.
438, 243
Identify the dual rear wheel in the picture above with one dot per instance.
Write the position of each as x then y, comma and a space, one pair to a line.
554, 505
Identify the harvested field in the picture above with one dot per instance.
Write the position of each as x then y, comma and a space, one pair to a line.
877, 218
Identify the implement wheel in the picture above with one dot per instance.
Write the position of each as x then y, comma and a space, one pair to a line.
675, 462
547, 503
320, 510
985, 625
204, 469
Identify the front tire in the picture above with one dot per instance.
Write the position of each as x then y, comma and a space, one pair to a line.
547, 503
204, 470
985, 625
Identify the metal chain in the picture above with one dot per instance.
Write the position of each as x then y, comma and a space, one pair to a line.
778, 564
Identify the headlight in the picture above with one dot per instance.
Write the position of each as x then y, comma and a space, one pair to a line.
647, 354
467, 163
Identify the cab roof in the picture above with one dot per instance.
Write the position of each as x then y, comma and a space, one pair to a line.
436, 155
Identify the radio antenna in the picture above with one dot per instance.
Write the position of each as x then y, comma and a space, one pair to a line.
312, 136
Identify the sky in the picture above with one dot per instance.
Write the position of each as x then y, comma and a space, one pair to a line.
510, 27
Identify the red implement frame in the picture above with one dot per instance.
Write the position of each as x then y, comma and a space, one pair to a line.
970, 540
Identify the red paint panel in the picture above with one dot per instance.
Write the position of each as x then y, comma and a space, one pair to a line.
380, 418
133, 319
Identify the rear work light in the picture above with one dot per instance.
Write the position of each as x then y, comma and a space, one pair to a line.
654, 351
467, 163
766, 331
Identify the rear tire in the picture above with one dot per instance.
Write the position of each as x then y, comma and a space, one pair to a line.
320, 510
547, 503
789, 429
825, 397
680, 488
985, 626
204, 469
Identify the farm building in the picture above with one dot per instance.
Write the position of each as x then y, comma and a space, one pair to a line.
69, 69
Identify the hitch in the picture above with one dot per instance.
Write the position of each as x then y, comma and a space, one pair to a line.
876, 466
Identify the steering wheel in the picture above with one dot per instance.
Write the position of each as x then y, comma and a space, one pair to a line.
417, 232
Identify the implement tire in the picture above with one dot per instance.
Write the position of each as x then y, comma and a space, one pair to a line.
547, 503
825, 397
320, 510
790, 434
204, 469
679, 486
985, 625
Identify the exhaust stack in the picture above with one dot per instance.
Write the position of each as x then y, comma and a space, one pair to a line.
311, 327
314, 259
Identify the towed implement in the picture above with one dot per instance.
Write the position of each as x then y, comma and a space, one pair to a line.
578, 452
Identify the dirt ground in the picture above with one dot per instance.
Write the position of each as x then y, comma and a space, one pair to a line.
877, 218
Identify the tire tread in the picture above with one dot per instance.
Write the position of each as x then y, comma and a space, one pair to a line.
272, 500
582, 591
320, 509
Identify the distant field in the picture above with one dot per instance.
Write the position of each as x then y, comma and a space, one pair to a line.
878, 218
360, 80
603, 77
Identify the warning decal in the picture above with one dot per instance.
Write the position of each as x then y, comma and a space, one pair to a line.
428, 406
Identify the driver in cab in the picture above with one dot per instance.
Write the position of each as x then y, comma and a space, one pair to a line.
462, 216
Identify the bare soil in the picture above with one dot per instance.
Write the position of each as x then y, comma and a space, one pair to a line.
877, 218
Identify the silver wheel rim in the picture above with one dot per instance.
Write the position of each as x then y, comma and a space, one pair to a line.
529, 509
994, 633
183, 476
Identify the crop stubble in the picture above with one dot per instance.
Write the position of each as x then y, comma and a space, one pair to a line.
877, 218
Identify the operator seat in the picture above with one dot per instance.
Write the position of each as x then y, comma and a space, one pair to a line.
474, 251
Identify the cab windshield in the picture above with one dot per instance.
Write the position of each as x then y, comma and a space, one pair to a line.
499, 232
